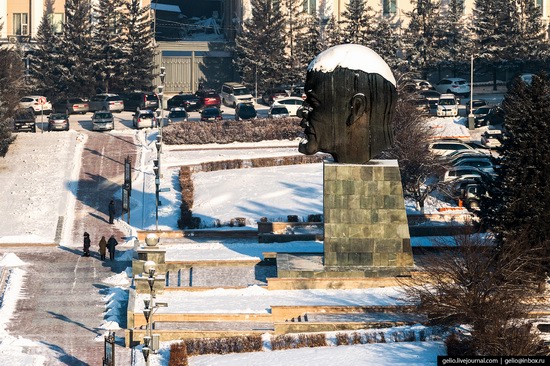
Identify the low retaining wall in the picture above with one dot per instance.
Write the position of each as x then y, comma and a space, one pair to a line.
284, 313
310, 327
134, 337
339, 283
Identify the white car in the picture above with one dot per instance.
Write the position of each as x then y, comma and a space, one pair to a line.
144, 119
38, 103
447, 106
291, 103
446, 147
455, 86
277, 111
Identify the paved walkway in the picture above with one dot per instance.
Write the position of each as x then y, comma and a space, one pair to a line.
62, 306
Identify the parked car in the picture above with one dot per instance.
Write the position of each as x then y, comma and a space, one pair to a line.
481, 116
211, 114
144, 119
177, 115
245, 111
527, 78
71, 106
298, 91
24, 119
432, 96
272, 94
277, 111
417, 85
492, 138
209, 98
485, 165
106, 102
190, 102
446, 147
462, 172
33, 102
496, 116
291, 103
235, 93
455, 86
447, 106
141, 100
476, 103
421, 104
103, 121
58, 121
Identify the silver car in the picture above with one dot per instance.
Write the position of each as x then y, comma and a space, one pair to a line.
177, 115
103, 121
106, 102
144, 119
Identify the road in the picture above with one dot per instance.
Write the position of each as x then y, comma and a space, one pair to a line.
62, 305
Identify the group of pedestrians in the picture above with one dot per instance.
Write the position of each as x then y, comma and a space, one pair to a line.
104, 245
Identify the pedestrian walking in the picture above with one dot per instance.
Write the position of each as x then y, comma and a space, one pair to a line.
111, 244
111, 212
87, 244
102, 248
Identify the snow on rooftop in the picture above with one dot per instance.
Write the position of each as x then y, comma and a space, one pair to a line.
353, 57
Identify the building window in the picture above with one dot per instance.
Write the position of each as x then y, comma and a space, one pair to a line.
310, 6
21, 24
389, 7
56, 19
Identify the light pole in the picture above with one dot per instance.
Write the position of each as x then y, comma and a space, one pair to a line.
471, 124
158, 145
150, 340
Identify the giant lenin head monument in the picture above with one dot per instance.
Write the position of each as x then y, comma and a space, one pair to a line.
351, 97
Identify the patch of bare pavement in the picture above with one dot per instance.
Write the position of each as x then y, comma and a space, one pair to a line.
62, 304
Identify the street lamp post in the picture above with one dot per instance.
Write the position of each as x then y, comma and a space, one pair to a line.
471, 122
150, 340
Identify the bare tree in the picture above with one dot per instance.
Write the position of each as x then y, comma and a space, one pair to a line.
419, 166
484, 286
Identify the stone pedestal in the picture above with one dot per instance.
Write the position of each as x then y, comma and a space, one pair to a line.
366, 225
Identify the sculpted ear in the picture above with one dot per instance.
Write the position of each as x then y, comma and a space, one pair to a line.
357, 108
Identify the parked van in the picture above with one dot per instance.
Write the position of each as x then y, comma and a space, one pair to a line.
234, 93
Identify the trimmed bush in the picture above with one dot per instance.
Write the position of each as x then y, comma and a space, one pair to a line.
225, 132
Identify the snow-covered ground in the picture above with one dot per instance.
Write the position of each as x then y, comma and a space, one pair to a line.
41, 187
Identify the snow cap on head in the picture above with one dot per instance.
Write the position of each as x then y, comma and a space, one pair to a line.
353, 57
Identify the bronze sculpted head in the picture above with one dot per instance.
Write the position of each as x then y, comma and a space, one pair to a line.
351, 97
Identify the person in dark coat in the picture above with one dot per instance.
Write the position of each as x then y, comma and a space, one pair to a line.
111, 244
111, 211
102, 247
87, 244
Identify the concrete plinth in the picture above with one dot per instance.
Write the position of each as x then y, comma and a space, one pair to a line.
366, 233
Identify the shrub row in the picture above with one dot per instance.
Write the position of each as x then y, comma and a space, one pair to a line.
179, 352
225, 132
186, 181
286, 341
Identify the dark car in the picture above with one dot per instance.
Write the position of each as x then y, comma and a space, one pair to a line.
141, 100
211, 114
58, 121
496, 116
245, 111
71, 106
432, 96
481, 116
272, 94
24, 119
209, 98
190, 102
476, 103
